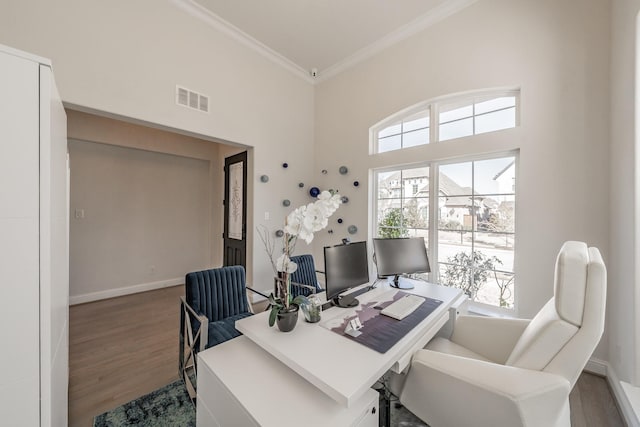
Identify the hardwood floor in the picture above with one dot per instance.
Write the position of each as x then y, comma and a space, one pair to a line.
125, 347
121, 349
592, 404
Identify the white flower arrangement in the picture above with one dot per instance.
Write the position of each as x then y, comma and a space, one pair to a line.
302, 223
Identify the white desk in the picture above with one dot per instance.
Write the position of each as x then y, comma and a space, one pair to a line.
343, 369
239, 384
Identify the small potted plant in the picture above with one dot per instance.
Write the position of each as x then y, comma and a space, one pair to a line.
301, 222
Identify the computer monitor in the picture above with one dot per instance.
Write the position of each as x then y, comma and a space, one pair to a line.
345, 267
395, 257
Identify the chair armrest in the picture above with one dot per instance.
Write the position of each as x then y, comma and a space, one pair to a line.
491, 337
439, 384
203, 330
257, 292
302, 285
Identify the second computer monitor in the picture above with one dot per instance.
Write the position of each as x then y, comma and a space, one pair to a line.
345, 267
395, 257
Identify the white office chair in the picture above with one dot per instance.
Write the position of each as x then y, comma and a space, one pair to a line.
514, 372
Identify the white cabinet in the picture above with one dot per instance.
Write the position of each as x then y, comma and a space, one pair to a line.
240, 384
34, 260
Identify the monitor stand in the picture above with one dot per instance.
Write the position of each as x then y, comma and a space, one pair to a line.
346, 301
401, 284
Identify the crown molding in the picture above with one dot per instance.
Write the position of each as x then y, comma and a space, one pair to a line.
421, 23
202, 13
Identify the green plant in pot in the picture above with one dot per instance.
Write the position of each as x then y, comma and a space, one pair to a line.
301, 222
286, 317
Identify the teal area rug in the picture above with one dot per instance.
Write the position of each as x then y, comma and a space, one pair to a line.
170, 406
167, 406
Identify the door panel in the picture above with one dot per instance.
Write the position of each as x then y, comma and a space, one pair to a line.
235, 210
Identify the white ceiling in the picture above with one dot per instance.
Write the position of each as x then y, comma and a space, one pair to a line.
327, 35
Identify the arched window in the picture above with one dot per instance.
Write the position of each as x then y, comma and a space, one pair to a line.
454, 117
463, 207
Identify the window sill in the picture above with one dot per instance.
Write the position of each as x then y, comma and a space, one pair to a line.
479, 309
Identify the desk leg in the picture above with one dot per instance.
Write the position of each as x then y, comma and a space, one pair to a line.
384, 408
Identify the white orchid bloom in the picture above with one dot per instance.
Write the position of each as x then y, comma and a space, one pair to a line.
314, 216
330, 202
284, 264
325, 195
306, 220
294, 221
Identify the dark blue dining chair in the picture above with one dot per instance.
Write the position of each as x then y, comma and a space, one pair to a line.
305, 278
214, 300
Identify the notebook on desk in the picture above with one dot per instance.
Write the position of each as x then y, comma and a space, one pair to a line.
380, 332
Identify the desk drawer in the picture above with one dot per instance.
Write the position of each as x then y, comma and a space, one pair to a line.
214, 398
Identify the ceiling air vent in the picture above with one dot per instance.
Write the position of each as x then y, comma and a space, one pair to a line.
190, 99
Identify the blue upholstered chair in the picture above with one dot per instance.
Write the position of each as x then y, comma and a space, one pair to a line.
305, 275
214, 300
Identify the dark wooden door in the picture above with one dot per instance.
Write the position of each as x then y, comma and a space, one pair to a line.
235, 210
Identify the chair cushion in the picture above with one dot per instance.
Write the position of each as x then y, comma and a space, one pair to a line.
224, 330
571, 281
443, 345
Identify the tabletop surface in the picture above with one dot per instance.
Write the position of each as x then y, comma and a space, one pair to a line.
338, 366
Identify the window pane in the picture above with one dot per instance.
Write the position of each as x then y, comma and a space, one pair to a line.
385, 186
416, 212
503, 119
416, 123
388, 192
420, 232
456, 129
497, 214
454, 247
495, 104
454, 112
452, 217
389, 143
416, 137
495, 176
476, 229
498, 290
392, 232
455, 179
385, 207
494, 251
459, 272
391, 130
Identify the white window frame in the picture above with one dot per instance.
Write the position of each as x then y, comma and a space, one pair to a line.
433, 105
434, 185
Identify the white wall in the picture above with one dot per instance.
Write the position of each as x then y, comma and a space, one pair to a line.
622, 309
557, 53
146, 219
150, 202
125, 58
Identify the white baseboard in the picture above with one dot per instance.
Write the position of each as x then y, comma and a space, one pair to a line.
632, 394
597, 366
629, 407
118, 292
